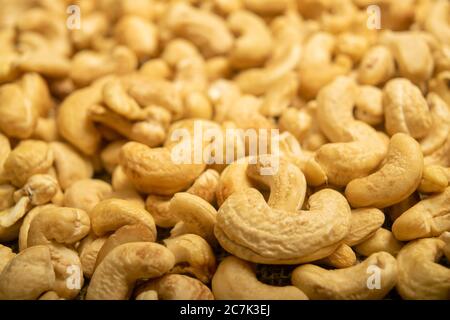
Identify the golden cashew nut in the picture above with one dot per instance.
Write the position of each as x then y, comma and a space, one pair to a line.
254, 230
364, 223
193, 255
349, 283
376, 67
357, 148
111, 214
175, 287
381, 240
28, 158
87, 193
28, 275
428, 218
395, 180
406, 110
419, 274
204, 29
122, 267
235, 279
254, 44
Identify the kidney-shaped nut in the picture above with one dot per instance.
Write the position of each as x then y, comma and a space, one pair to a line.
235, 279
193, 256
204, 29
58, 225
85, 194
128, 233
115, 277
176, 287
357, 148
440, 128
28, 275
420, 276
371, 279
381, 240
111, 214
397, 178
88, 251
428, 218
405, 109
153, 171
254, 44
364, 222
412, 54
257, 231
138, 34
28, 158
40, 189
69, 164
195, 215
342, 257
74, 123
6, 255
377, 66
434, 179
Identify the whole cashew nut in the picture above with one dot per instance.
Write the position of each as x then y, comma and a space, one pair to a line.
235, 280
349, 283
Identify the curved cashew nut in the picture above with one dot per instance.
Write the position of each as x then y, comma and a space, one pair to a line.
111, 214
6, 255
204, 29
157, 171
405, 109
254, 44
235, 279
285, 57
194, 215
28, 158
73, 120
342, 257
428, 218
351, 283
364, 222
137, 34
58, 224
28, 275
419, 274
176, 287
381, 240
369, 105
128, 233
193, 255
440, 128
434, 179
377, 66
88, 252
69, 164
318, 54
357, 149
398, 177
86, 194
254, 230
122, 267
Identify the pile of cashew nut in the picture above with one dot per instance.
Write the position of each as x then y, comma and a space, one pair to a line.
92, 205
